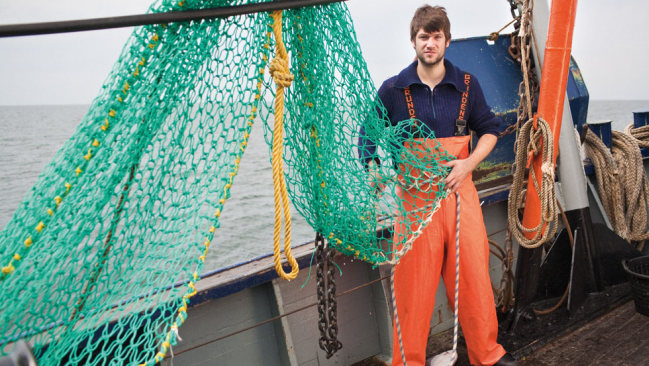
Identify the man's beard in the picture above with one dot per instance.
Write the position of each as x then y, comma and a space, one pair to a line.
434, 62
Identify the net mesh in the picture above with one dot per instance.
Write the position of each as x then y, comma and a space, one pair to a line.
100, 260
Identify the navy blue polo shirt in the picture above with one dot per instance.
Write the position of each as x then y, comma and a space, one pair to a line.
438, 109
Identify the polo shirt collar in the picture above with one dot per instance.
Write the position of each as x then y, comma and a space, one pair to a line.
408, 76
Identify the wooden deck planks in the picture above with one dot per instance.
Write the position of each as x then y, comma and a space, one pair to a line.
620, 337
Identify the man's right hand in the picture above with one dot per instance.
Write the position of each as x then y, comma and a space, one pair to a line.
376, 179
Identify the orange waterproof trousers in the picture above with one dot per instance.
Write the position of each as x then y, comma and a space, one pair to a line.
416, 276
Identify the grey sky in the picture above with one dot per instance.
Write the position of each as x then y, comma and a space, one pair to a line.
610, 44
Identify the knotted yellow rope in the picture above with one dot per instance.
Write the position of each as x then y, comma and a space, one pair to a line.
283, 78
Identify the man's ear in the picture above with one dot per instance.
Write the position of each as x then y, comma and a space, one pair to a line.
448, 43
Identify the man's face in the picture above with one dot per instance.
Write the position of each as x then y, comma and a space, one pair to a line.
430, 47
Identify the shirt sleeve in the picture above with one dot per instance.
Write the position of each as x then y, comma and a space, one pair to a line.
366, 144
481, 119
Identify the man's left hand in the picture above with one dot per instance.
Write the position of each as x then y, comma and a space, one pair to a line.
460, 169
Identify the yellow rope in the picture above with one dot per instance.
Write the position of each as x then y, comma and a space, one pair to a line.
283, 78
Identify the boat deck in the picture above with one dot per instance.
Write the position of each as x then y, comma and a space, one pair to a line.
619, 337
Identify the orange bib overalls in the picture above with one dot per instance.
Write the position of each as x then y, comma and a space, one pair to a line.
416, 276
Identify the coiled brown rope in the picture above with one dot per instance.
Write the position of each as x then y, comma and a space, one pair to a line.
640, 134
533, 141
621, 182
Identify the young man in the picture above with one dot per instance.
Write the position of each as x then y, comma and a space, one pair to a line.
449, 101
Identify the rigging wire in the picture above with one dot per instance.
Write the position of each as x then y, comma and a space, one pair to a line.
66, 26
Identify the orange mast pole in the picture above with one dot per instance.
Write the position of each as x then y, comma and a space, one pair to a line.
554, 78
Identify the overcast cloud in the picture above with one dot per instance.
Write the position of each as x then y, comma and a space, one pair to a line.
610, 44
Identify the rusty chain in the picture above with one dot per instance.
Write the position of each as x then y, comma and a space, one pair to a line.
327, 305
520, 51
504, 293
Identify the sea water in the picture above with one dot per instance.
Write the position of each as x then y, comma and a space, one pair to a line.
31, 135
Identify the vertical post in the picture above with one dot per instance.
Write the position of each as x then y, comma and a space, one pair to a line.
640, 118
556, 63
603, 130
554, 56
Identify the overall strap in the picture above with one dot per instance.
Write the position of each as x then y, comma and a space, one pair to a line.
410, 105
460, 122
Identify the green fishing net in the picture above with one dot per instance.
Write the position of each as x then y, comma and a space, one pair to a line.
100, 260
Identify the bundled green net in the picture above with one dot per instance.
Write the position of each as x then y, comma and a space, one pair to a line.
100, 260
331, 99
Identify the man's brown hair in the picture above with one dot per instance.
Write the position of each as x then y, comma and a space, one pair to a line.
430, 19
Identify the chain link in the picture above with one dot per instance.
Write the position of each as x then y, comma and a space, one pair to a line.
520, 50
513, 5
327, 305
334, 344
506, 288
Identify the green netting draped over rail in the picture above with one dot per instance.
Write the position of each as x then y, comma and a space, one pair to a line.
100, 260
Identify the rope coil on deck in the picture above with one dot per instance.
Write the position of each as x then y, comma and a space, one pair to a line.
640, 134
622, 183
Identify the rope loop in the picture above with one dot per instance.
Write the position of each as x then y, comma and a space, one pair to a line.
532, 141
280, 71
